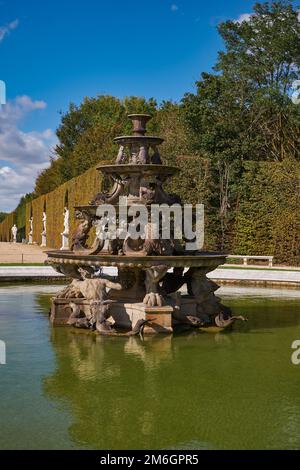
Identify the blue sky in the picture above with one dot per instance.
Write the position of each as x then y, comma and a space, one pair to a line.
55, 52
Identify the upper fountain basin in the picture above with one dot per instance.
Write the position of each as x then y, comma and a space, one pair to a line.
130, 168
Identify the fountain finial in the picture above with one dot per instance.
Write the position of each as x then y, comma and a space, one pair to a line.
139, 122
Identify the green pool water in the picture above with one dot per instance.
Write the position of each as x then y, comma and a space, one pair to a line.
62, 388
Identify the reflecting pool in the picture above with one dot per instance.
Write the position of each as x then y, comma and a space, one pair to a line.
70, 389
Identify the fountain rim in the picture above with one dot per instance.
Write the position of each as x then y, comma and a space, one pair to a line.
139, 138
204, 260
133, 115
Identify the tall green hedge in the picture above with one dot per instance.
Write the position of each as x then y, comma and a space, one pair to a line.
268, 212
77, 191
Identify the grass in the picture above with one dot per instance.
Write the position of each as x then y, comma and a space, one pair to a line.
21, 264
261, 268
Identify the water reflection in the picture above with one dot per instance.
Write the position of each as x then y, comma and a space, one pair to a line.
110, 385
194, 390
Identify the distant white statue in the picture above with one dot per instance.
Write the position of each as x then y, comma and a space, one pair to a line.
44, 222
14, 231
30, 241
65, 233
44, 232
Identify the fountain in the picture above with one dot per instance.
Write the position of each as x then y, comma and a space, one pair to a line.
145, 294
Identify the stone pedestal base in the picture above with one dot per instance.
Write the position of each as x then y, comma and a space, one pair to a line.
64, 241
44, 240
160, 318
61, 311
125, 315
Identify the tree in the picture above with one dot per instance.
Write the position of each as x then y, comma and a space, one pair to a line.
262, 61
243, 111
86, 134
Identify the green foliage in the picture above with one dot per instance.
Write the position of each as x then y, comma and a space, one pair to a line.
86, 136
2, 216
244, 112
267, 216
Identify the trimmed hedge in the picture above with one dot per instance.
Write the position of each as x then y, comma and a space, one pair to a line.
267, 217
5, 227
77, 191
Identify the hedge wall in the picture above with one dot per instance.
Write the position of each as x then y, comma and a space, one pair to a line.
268, 214
5, 227
77, 191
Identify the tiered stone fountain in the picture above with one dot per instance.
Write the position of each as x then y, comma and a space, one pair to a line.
145, 293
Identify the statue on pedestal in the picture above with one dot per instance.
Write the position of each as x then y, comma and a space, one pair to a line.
65, 233
30, 240
44, 232
14, 232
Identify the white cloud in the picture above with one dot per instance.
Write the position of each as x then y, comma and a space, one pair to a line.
243, 17
174, 7
6, 29
247, 17
22, 154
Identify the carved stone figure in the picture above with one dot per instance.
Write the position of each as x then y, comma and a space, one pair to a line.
113, 196
224, 321
142, 157
30, 238
153, 298
66, 221
65, 233
155, 158
14, 231
121, 157
44, 232
82, 232
134, 151
147, 191
95, 292
44, 222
